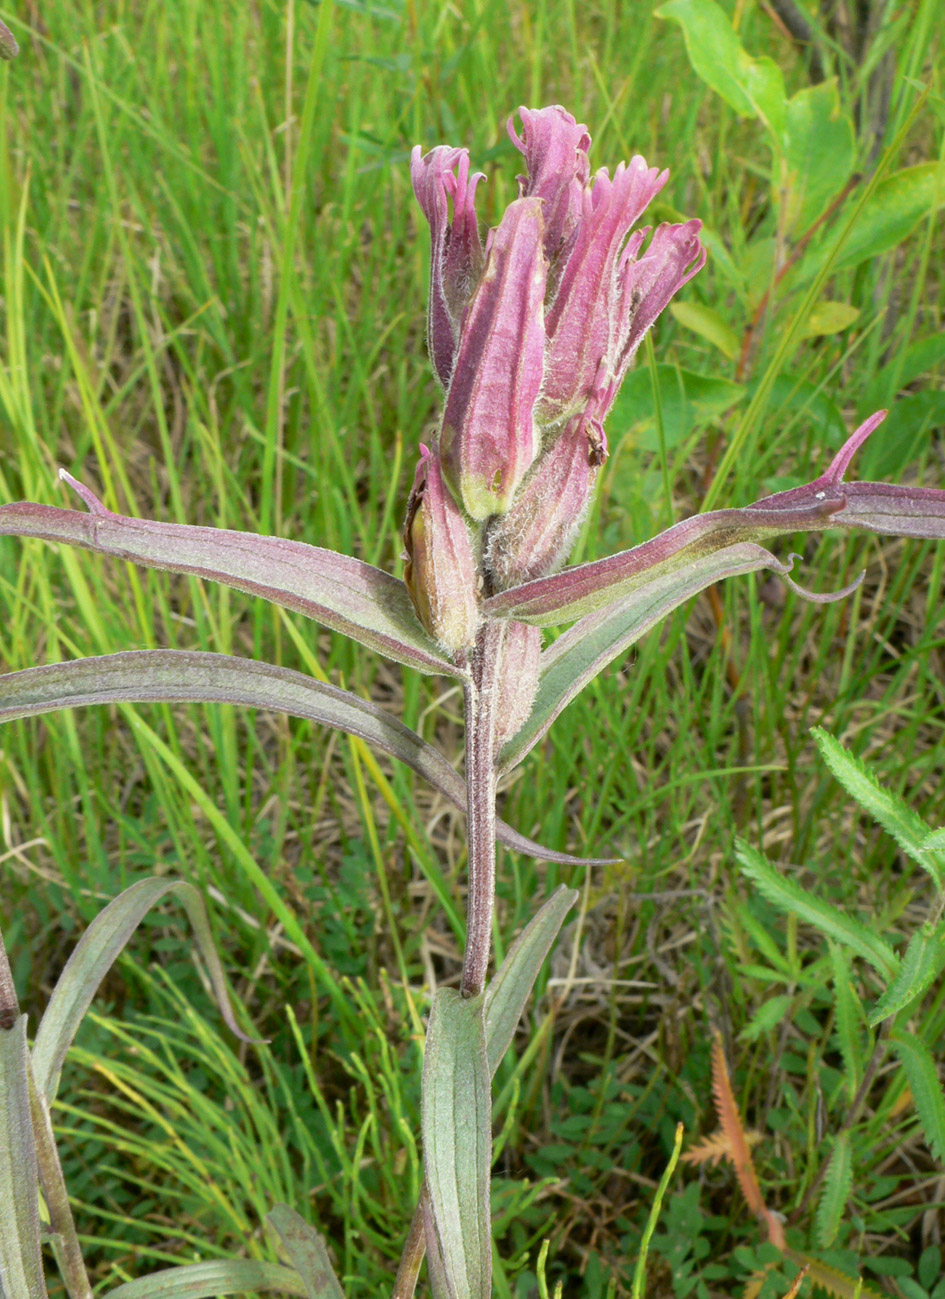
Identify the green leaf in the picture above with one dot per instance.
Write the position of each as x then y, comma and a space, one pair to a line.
708, 324
21, 1265
829, 318
689, 401
908, 365
922, 1074
789, 896
753, 87
895, 209
144, 676
93, 957
835, 1194
922, 963
849, 1018
819, 152
457, 1140
208, 1280
890, 810
771, 1014
306, 1251
512, 983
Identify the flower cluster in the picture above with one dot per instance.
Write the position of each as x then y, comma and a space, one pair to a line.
530, 336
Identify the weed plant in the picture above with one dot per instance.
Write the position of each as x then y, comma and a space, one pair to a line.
212, 265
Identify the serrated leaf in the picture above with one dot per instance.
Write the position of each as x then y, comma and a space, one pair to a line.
835, 1194
768, 1016
21, 1266
924, 1083
144, 676
848, 1018
922, 963
95, 953
708, 324
208, 1280
338, 591
789, 896
457, 1141
829, 1279
512, 983
829, 318
753, 87
306, 1251
891, 810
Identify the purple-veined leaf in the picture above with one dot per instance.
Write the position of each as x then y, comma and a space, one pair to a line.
827, 502
585, 649
343, 593
180, 676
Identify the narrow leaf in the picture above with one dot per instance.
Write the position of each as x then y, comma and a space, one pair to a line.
730, 1121
207, 1280
925, 1084
95, 953
338, 591
835, 1194
829, 1279
922, 963
21, 1265
146, 676
306, 1251
512, 983
457, 1141
789, 896
890, 810
849, 1018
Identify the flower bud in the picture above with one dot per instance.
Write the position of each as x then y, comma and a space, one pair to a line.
457, 257
555, 149
536, 536
441, 574
489, 437
517, 679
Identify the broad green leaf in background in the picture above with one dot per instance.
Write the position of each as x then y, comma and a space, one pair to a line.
689, 401
829, 318
835, 1193
221, 1276
456, 1107
926, 1087
92, 958
789, 896
306, 1251
753, 87
889, 809
21, 1267
922, 963
819, 153
708, 324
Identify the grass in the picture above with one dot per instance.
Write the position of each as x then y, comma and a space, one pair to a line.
212, 303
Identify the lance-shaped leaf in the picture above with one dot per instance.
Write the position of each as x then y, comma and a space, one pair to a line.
220, 1276
827, 502
181, 676
597, 639
21, 1268
457, 1142
307, 1252
343, 593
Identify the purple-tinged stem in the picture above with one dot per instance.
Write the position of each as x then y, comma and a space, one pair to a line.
481, 693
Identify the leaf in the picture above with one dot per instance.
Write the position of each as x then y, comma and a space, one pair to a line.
207, 1280
753, 87
512, 983
771, 1014
21, 1265
713, 1149
306, 1251
92, 958
819, 152
890, 810
338, 591
8, 46
457, 1140
689, 401
708, 324
730, 1122
922, 963
829, 1279
835, 1194
144, 676
829, 318
789, 896
895, 209
908, 365
849, 1017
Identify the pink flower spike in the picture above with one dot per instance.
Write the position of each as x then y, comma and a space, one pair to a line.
456, 256
489, 437
555, 147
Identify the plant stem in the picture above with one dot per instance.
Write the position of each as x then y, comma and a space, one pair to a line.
481, 693
412, 1257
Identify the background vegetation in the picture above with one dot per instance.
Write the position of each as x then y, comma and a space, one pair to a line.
213, 309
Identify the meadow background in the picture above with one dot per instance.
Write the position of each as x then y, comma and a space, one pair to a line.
212, 309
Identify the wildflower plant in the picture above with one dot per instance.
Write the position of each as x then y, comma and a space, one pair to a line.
531, 332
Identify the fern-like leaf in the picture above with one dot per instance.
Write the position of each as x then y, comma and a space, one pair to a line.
926, 1086
836, 1192
922, 963
713, 1149
828, 1278
849, 1019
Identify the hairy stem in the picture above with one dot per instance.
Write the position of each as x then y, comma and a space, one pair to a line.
412, 1257
480, 795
